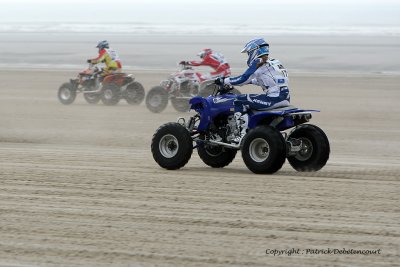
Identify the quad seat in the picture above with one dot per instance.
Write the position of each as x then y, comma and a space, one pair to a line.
288, 107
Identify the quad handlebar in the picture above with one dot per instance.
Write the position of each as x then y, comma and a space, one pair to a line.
95, 68
184, 65
222, 88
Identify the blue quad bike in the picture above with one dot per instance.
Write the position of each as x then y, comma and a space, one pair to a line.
273, 135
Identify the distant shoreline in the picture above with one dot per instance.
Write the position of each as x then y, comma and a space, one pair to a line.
197, 28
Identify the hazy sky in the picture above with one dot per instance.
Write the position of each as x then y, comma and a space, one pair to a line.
292, 12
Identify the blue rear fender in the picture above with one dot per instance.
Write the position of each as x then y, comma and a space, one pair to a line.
288, 122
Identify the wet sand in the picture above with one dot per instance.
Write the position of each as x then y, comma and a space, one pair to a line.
79, 186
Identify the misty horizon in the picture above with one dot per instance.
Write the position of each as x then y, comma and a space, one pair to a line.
252, 13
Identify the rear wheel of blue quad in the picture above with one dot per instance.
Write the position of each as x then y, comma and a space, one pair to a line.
264, 150
172, 146
315, 148
157, 99
216, 156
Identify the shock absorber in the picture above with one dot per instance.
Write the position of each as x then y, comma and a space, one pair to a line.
192, 122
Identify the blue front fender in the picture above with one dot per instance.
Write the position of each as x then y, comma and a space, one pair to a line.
200, 105
196, 100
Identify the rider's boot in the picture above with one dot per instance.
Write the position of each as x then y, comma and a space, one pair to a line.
242, 123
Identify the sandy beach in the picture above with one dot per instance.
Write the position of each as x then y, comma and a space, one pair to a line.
79, 186
298, 53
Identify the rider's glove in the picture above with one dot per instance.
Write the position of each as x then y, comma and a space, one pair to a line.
184, 62
219, 81
89, 61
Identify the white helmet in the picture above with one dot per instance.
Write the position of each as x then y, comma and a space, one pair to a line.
255, 49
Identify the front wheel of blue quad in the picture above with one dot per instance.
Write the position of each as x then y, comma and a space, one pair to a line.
314, 151
264, 150
172, 146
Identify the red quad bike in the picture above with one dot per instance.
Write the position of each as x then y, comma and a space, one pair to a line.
113, 88
180, 87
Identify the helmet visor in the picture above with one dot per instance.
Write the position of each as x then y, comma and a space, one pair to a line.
262, 51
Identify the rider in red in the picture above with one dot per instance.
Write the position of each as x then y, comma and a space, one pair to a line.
214, 60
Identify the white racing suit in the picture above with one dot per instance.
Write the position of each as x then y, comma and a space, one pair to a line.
273, 79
